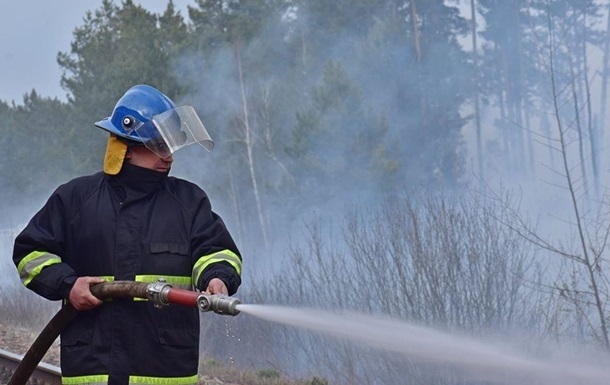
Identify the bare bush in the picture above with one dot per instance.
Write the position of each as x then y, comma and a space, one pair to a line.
427, 259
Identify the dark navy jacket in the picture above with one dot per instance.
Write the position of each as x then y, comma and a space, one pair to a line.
138, 225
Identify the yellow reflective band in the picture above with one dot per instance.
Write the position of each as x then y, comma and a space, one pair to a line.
173, 280
102, 379
33, 263
98, 379
207, 260
135, 380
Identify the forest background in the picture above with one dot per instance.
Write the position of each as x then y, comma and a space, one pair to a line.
442, 162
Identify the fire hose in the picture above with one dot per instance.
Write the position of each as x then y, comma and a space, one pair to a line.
160, 293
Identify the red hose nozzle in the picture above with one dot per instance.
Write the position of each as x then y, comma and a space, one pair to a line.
163, 294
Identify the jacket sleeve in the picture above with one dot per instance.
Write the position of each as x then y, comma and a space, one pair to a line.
215, 254
37, 252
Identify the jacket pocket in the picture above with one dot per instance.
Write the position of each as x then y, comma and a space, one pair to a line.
178, 337
175, 325
168, 258
169, 247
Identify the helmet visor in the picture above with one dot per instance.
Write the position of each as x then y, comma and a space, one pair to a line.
174, 129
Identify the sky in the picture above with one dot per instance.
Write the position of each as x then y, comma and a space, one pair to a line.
33, 32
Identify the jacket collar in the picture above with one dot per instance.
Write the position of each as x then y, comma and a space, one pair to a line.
137, 182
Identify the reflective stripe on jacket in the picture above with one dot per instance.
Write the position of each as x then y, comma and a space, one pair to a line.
102, 379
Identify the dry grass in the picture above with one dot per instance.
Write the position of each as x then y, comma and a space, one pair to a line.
215, 372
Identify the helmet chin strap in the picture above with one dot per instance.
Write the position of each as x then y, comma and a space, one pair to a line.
115, 155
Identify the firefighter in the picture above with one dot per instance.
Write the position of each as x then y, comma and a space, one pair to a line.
131, 222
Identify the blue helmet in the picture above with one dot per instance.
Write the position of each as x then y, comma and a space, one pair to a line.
135, 110
145, 115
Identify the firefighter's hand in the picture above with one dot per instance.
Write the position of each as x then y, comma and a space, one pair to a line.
81, 297
216, 286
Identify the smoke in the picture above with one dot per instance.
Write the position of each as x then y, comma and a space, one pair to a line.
382, 71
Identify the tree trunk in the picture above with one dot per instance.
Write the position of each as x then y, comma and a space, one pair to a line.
249, 142
604, 90
477, 113
586, 260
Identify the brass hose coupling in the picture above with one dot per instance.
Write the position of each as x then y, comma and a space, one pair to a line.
157, 293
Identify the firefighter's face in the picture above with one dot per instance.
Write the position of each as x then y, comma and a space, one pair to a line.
143, 157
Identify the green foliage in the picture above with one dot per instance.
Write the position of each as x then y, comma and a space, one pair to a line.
338, 141
116, 48
313, 93
268, 373
363, 93
212, 362
39, 138
217, 23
